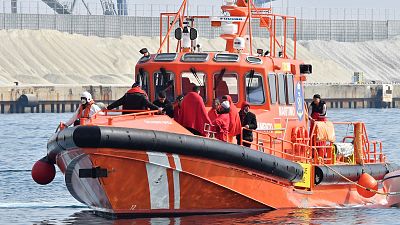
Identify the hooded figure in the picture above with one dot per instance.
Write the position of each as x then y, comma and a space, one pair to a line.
248, 121
193, 113
213, 112
235, 126
221, 123
86, 109
134, 99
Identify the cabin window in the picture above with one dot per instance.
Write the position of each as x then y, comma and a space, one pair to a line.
164, 81
165, 57
281, 89
225, 57
143, 78
253, 60
254, 88
290, 88
195, 57
194, 78
226, 84
272, 87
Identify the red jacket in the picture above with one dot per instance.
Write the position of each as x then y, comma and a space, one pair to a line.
235, 127
212, 114
193, 112
221, 126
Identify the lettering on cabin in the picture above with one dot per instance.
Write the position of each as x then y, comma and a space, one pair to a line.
265, 126
286, 111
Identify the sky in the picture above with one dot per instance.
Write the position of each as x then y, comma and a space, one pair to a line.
298, 3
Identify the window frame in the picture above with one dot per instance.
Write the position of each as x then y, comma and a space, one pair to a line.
237, 84
147, 81
262, 86
282, 92
204, 82
173, 79
275, 100
292, 96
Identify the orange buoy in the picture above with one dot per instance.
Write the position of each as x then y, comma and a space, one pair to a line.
43, 172
369, 183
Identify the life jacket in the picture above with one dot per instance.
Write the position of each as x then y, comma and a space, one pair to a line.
137, 90
86, 111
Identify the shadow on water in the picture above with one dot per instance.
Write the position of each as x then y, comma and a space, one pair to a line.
290, 216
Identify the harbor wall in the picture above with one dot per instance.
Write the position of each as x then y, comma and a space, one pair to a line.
59, 99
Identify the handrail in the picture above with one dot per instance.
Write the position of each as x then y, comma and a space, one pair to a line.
131, 113
315, 151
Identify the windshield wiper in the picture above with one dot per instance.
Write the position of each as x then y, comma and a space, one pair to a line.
141, 74
164, 76
193, 70
251, 75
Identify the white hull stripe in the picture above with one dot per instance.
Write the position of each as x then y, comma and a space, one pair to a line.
177, 189
177, 162
158, 180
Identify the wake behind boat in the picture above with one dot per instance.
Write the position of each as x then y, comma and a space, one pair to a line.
143, 163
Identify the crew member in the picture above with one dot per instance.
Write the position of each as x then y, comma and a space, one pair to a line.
317, 109
165, 104
221, 124
134, 99
248, 121
86, 109
193, 112
235, 126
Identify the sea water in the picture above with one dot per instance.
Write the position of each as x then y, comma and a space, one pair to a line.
23, 139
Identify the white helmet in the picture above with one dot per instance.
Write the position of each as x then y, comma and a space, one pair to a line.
87, 95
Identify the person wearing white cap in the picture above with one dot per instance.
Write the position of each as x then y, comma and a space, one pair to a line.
221, 123
86, 109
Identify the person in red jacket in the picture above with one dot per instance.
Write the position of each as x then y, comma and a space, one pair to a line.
213, 112
235, 127
193, 113
221, 123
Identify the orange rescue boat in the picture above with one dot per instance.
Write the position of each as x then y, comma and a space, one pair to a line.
148, 164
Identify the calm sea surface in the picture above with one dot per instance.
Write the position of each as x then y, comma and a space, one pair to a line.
23, 139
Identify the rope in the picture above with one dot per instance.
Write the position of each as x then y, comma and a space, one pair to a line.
355, 183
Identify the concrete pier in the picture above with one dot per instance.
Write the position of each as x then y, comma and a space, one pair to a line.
60, 99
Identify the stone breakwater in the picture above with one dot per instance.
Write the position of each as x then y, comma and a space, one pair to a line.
59, 98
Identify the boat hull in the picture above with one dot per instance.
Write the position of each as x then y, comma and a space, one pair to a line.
173, 179
391, 184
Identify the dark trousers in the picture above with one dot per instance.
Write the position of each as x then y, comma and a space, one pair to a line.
239, 138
